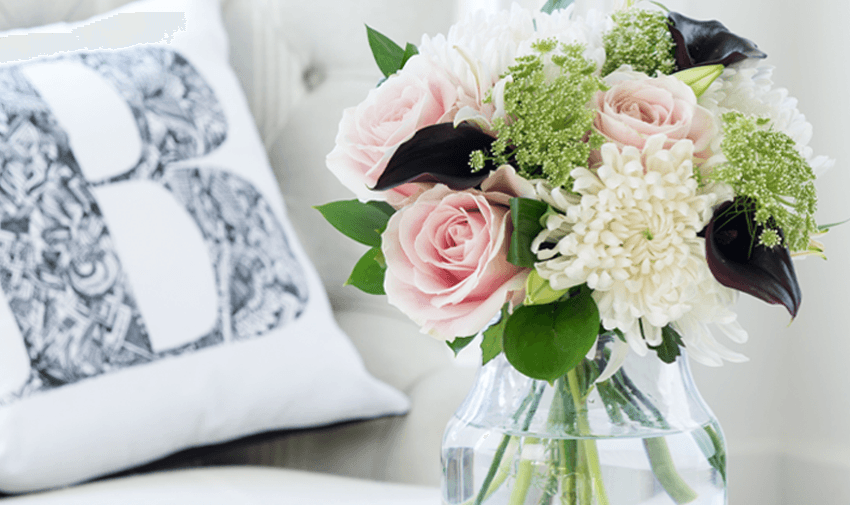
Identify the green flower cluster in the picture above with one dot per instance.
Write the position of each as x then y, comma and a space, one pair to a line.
764, 166
642, 39
548, 129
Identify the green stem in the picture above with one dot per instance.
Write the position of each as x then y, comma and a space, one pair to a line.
491, 473
589, 463
718, 459
665, 471
570, 451
523, 477
491, 483
501, 474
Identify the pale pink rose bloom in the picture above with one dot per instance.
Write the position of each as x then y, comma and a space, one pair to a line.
446, 254
419, 95
637, 107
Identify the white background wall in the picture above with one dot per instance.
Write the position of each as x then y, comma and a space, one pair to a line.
786, 413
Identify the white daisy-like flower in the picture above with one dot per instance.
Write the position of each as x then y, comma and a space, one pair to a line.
477, 52
630, 233
747, 88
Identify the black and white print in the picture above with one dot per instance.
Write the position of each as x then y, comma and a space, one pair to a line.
59, 269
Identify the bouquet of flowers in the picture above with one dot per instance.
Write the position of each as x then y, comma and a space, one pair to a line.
579, 175
634, 171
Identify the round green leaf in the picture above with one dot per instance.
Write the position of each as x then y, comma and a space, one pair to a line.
545, 342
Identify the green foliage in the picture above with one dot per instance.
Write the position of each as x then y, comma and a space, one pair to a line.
545, 342
553, 5
669, 349
640, 38
764, 167
459, 343
409, 52
525, 215
389, 56
368, 273
547, 117
491, 343
826, 227
363, 222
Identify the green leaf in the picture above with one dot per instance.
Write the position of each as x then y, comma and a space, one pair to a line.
525, 214
409, 52
388, 55
539, 292
545, 342
669, 350
491, 344
382, 206
459, 343
363, 222
826, 227
553, 5
368, 273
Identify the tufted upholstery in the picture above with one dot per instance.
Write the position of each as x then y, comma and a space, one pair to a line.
300, 63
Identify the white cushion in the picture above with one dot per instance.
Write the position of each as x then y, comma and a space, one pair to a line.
150, 307
237, 486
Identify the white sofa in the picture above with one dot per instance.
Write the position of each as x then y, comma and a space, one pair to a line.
301, 63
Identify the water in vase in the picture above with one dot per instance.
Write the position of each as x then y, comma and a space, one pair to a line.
671, 469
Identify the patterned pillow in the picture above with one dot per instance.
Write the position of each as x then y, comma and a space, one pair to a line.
154, 297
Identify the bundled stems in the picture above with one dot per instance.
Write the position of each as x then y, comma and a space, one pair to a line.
574, 472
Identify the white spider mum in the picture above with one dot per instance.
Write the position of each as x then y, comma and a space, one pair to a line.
566, 26
631, 235
477, 52
747, 88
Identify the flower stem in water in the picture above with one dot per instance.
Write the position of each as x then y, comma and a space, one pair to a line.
523, 477
665, 471
588, 454
483, 493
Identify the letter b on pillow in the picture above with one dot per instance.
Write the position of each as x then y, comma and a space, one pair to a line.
120, 243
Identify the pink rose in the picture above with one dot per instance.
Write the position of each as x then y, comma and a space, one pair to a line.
446, 254
419, 95
637, 107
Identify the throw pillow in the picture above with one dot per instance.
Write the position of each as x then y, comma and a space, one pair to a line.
153, 296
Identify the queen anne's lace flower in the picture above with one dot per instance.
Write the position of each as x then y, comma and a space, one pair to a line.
631, 235
747, 88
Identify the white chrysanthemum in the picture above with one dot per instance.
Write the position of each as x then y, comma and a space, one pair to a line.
568, 28
477, 52
747, 88
631, 235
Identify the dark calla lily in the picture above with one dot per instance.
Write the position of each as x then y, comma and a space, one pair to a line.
708, 43
738, 261
438, 153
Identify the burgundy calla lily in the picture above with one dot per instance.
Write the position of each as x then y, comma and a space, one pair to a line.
738, 261
701, 43
438, 153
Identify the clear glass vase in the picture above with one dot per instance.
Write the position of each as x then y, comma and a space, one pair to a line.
644, 436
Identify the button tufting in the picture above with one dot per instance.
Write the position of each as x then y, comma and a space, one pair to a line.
313, 76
